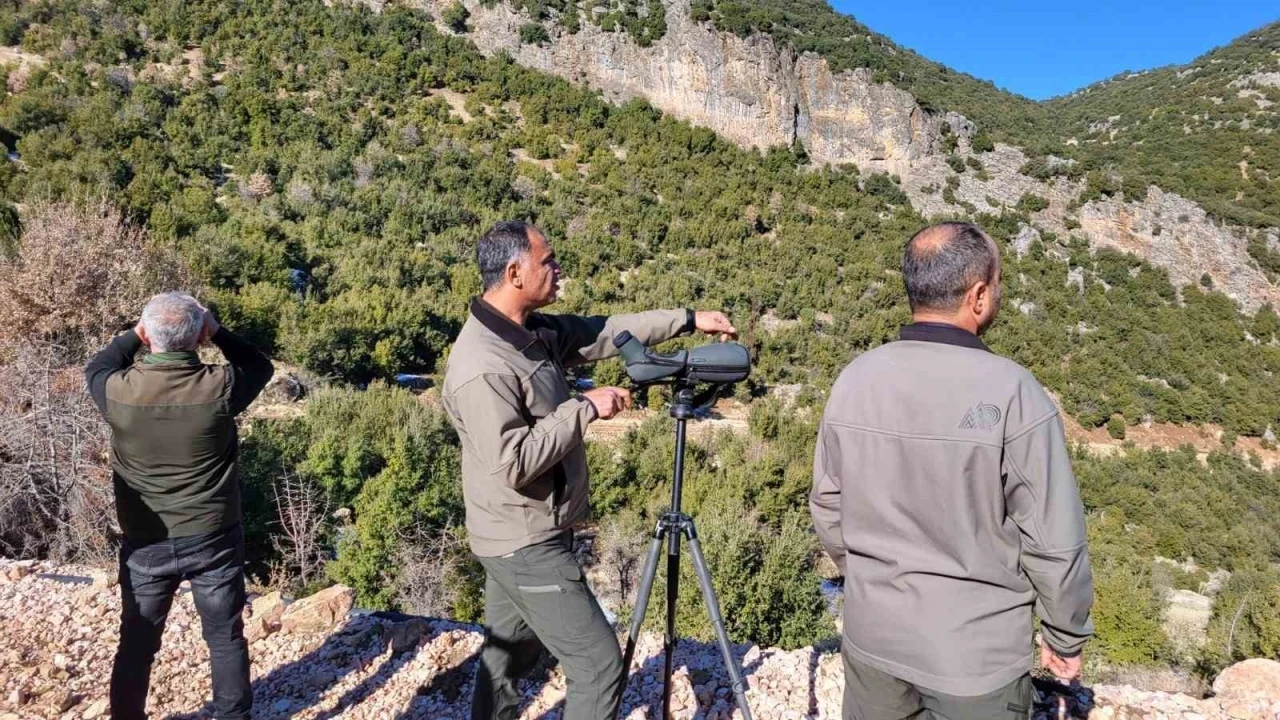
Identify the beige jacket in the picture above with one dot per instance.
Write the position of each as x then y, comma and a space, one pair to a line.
524, 466
943, 488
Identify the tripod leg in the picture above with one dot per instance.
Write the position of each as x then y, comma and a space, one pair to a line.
717, 621
673, 590
642, 604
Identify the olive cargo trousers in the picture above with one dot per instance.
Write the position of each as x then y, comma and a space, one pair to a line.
536, 597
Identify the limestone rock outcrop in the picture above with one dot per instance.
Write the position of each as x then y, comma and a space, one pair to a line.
759, 93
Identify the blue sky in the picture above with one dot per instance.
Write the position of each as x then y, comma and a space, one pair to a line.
1043, 48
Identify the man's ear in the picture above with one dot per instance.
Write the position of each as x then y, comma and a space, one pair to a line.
513, 275
142, 335
979, 297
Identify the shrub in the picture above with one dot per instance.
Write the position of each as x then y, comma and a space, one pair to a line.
1116, 427
1246, 619
1032, 203
1126, 614
765, 580
455, 17
392, 463
534, 34
80, 274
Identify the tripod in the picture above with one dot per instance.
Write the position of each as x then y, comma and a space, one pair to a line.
671, 525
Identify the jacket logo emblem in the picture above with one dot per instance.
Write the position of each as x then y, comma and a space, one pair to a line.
980, 417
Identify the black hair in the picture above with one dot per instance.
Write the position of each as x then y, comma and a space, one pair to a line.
939, 273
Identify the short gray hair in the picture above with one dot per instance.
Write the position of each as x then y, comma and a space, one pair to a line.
504, 242
942, 262
173, 322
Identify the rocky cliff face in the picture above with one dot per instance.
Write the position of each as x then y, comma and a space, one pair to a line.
1166, 229
758, 94
751, 91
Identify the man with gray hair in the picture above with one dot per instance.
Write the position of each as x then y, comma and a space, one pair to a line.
943, 491
524, 469
177, 487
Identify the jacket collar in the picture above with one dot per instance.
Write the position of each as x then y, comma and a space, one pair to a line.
515, 335
941, 333
180, 357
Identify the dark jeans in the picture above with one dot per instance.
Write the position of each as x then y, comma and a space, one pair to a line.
536, 598
149, 577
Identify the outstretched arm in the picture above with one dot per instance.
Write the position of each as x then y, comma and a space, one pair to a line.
589, 339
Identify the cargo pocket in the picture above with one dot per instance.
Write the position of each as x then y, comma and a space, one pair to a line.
580, 614
558, 599
540, 589
540, 592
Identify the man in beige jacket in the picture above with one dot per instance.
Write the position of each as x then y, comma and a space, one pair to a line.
943, 490
524, 468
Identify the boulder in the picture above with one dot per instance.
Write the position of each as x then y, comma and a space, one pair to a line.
62, 700
103, 580
320, 612
265, 616
1248, 680
97, 710
407, 634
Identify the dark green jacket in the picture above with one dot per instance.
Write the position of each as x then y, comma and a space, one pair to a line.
173, 433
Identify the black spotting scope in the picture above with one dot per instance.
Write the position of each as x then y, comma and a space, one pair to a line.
717, 363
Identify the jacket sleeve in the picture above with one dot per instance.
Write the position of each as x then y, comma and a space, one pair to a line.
1042, 499
515, 452
589, 339
824, 502
251, 370
115, 357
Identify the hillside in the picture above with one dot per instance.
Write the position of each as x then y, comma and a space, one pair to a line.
1186, 129
319, 173
1207, 130
842, 107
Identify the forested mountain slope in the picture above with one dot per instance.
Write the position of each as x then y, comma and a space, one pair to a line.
324, 170
1174, 165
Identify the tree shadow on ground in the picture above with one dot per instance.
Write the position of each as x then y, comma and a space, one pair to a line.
702, 661
302, 684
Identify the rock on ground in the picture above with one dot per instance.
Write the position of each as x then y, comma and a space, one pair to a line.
60, 631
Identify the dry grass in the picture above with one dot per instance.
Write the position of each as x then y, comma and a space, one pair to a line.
81, 274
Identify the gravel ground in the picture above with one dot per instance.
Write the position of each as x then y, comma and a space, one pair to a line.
59, 630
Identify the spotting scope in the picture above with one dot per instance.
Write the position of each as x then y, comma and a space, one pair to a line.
716, 363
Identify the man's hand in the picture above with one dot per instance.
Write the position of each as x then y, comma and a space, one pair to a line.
211, 325
1065, 669
712, 323
608, 401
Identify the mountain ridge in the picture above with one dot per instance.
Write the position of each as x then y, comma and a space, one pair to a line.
759, 93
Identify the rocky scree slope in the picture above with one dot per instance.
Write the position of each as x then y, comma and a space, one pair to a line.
319, 658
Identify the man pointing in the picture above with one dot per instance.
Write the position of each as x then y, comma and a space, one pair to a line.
524, 468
